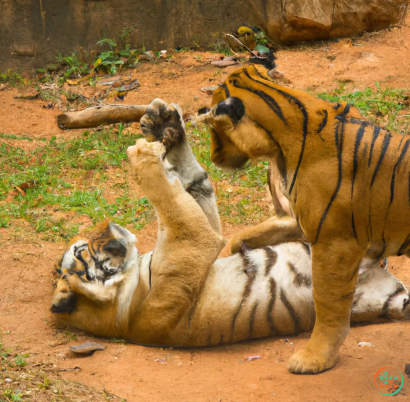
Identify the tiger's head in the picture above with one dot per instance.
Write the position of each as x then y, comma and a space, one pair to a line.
237, 133
98, 255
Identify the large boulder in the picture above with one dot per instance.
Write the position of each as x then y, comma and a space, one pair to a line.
291, 21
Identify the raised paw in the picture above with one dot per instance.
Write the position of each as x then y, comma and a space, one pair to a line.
163, 122
64, 300
307, 362
144, 151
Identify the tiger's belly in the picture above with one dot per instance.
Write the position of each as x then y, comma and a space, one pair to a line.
259, 293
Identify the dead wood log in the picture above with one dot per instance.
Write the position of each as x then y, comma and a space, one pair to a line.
99, 115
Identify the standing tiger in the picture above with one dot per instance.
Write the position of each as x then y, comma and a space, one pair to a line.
344, 180
181, 294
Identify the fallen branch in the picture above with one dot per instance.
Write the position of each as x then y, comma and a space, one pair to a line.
99, 115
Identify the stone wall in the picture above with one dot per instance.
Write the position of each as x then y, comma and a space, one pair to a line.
32, 32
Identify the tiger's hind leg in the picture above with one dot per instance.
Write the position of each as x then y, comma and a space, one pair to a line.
334, 273
271, 232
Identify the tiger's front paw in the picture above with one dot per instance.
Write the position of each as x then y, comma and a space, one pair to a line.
308, 362
236, 243
163, 122
144, 151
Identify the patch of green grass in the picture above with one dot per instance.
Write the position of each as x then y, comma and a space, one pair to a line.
386, 107
69, 177
20, 359
18, 137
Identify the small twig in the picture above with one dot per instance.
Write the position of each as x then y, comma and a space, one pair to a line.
246, 47
234, 53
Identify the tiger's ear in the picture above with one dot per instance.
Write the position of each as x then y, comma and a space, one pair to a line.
231, 107
116, 248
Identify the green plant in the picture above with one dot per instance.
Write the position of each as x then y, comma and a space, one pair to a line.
114, 59
12, 77
20, 359
12, 395
75, 67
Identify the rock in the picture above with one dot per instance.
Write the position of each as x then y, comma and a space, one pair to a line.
363, 344
209, 90
52, 67
87, 348
224, 63
300, 20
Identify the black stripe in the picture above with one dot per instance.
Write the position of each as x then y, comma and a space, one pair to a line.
359, 136
273, 105
359, 121
385, 311
306, 247
302, 108
376, 132
400, 142
386, 141
245, 295
252, 319
300, 279
250, 268
322, 123
336, 106
404, 246
381, 254
227, 94
191, 311
149, 270
291, 311
403, 152
339, 147
365, 150
271, 257
272, 292
77, 254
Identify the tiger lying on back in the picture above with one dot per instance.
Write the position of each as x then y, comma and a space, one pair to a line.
180, 294
344, 180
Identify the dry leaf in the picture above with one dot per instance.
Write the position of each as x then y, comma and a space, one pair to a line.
22, 192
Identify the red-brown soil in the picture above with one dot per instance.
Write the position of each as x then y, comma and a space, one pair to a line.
209, 374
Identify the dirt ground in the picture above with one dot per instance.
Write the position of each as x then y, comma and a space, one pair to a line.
222, 373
